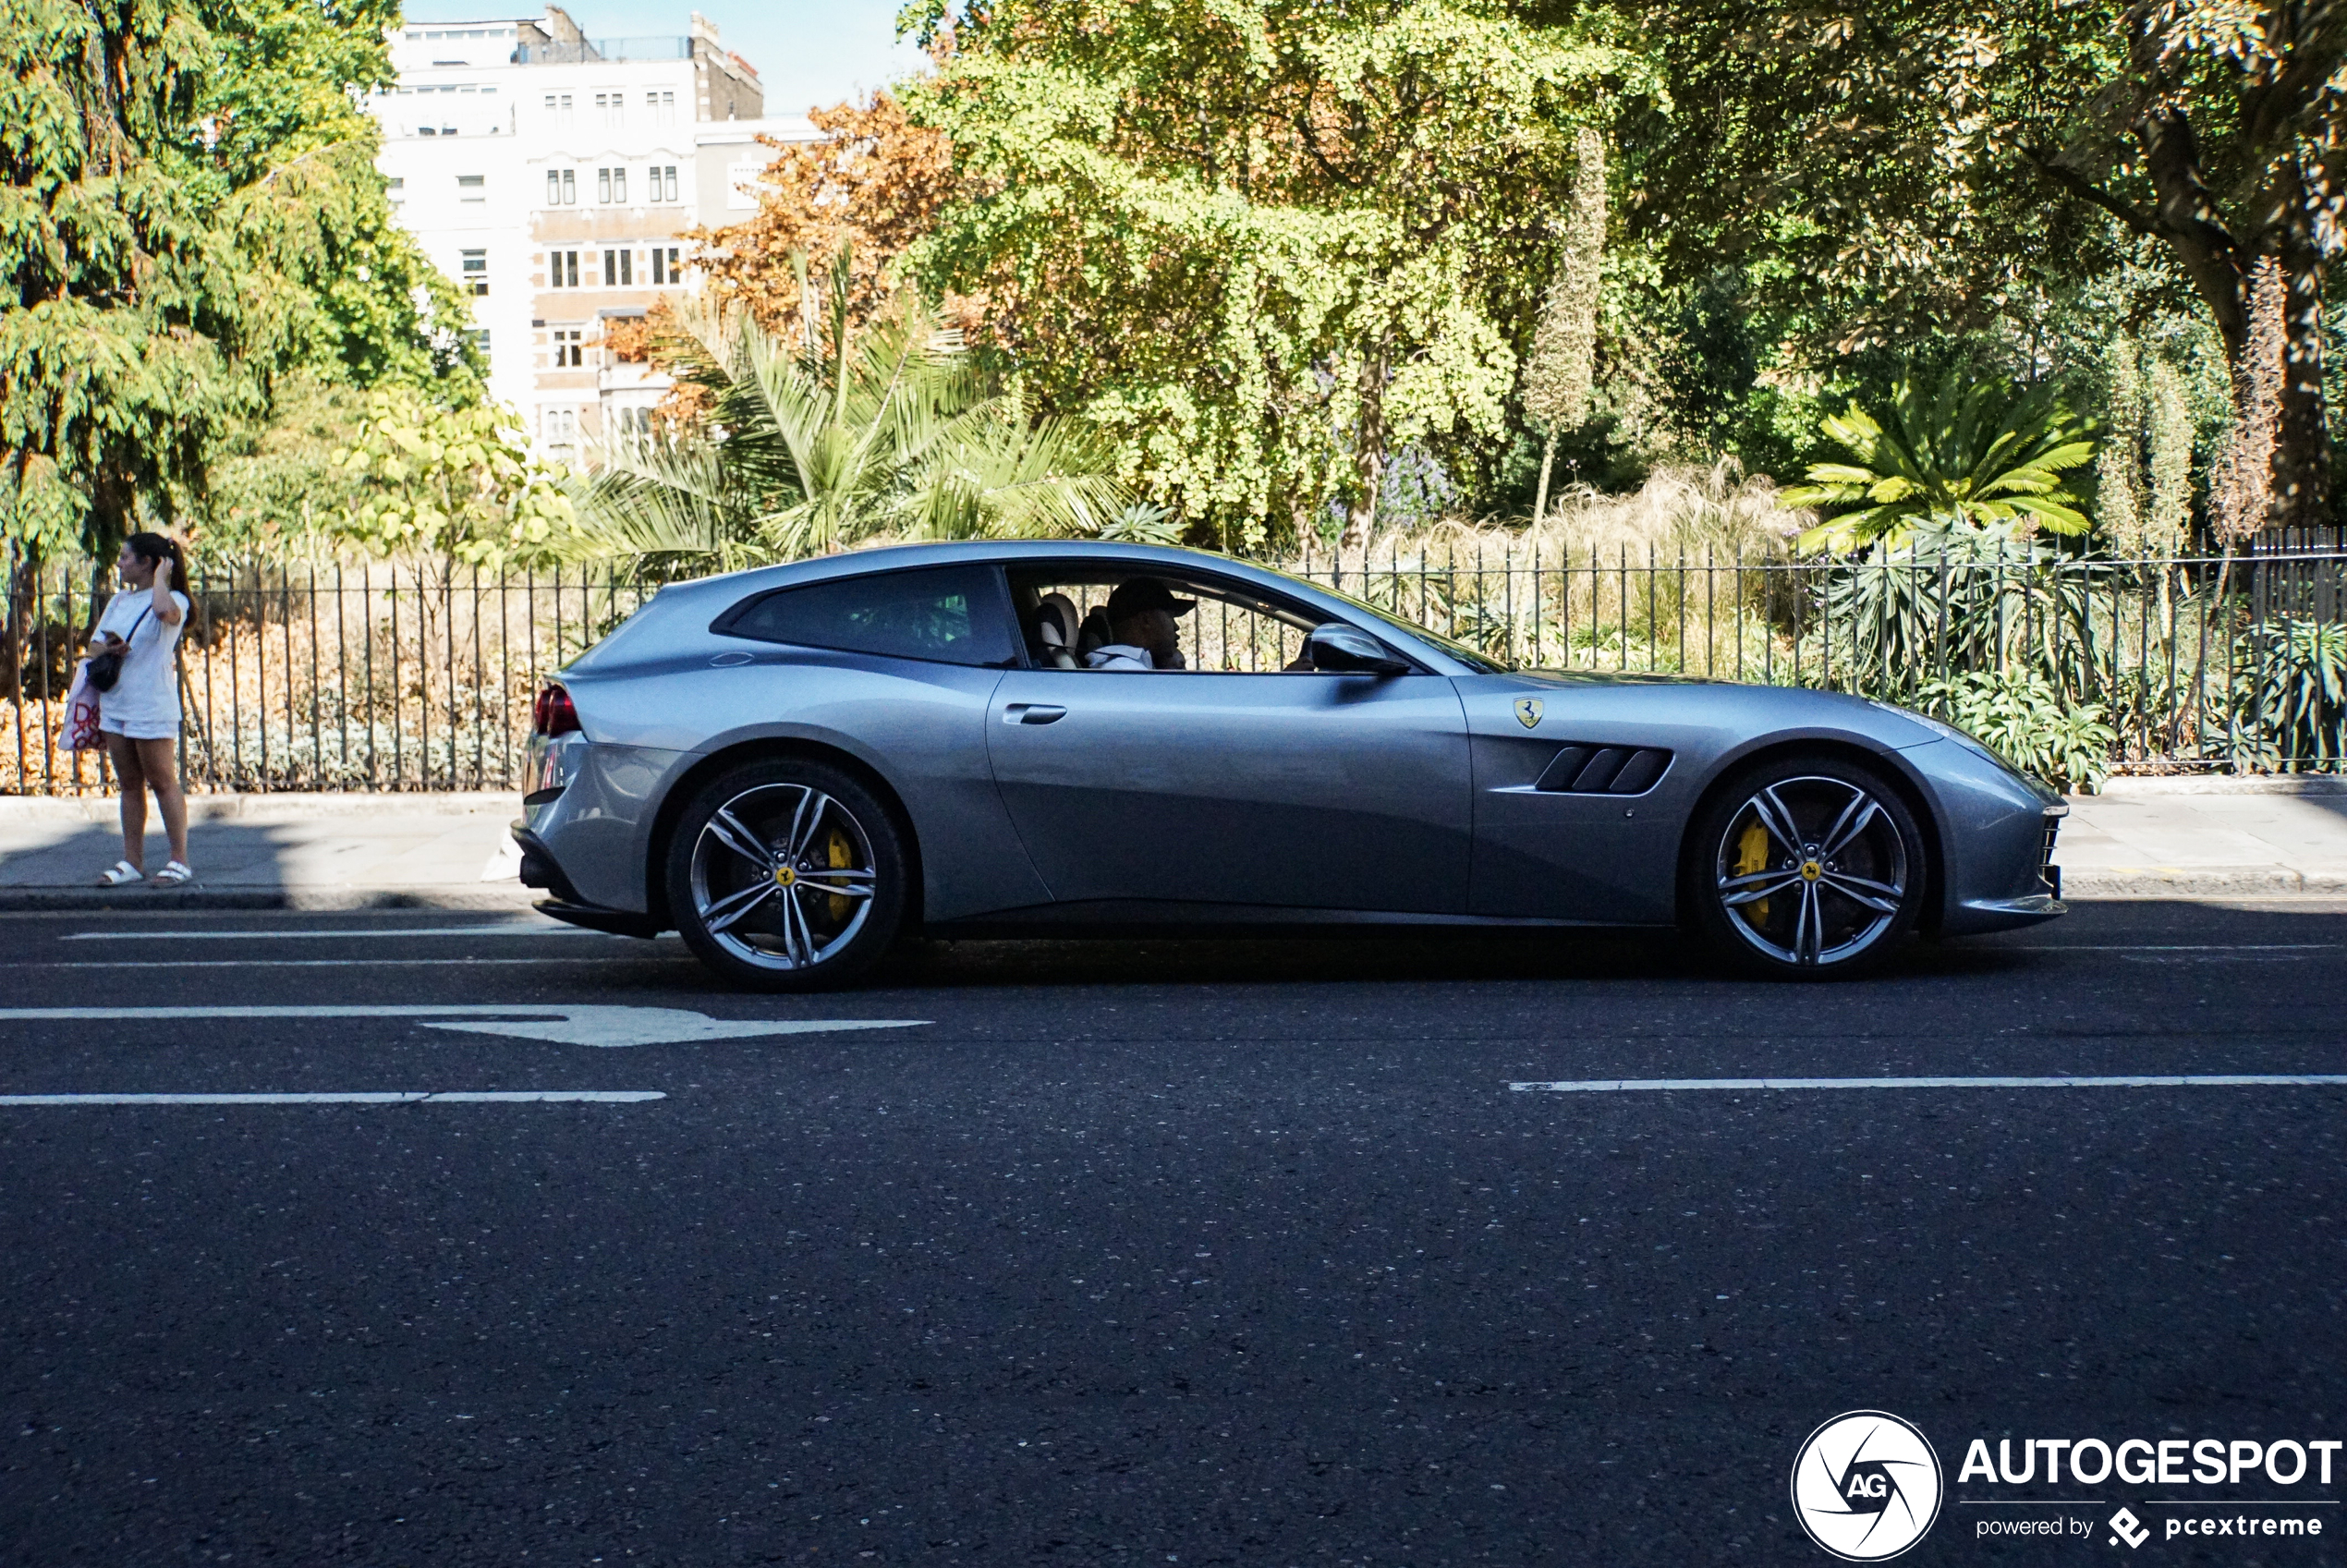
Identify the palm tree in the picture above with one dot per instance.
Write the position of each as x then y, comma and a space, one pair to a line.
1990, 452
887, 430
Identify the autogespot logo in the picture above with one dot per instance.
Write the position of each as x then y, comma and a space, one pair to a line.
1866, 1486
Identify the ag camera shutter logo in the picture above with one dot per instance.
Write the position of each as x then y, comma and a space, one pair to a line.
1867, 1486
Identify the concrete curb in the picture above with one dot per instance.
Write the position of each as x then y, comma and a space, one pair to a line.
2202, 881
288, 807
2225, 784
495, 897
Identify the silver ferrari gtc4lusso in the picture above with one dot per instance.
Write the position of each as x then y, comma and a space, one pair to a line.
795, 766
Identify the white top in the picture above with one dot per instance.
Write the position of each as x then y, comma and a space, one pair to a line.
1119, 656
144, 703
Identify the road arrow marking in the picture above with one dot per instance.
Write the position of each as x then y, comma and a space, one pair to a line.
2188, 1080
563, 1024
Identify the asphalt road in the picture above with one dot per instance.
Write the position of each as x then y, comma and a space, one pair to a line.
1145, 1253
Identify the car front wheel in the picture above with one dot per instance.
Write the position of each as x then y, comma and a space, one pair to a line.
787, 876
1811, 868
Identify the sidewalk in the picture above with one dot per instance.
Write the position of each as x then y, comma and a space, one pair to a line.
2144, 838
2214, 838
274, 852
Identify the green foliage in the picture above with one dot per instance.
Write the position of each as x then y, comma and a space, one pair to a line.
2020, 716
455, 485
190, 208
1261, 244
888, 431
2288, 696
1988, 451
281, 481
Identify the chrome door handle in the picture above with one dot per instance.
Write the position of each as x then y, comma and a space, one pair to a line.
1032, 713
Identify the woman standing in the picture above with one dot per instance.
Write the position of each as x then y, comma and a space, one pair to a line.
139, 714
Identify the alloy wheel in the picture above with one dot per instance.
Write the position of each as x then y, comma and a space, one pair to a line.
782, 876
1811, 871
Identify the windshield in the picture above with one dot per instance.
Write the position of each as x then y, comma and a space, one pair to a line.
1481, 662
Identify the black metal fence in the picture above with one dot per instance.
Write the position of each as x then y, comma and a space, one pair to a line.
319, 678
375, 677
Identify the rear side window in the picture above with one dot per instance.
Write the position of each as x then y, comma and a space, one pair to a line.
950, 614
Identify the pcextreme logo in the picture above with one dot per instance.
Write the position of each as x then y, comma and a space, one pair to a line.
1867, 1486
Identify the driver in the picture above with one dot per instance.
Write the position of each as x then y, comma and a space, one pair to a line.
1141, 618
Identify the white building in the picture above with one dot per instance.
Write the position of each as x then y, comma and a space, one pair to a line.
554, 177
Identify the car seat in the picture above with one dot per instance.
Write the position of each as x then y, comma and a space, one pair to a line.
1055, 623
1094, 633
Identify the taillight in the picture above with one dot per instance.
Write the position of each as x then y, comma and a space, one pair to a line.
552, 712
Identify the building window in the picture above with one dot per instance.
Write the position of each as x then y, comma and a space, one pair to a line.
481, 341
559, 109
472, 191
562, 268
661, 107
562, 187
610, 110
568, 355
664, 267
611, 187
619, 269
663, 182
396, 188
474, 269
561, 429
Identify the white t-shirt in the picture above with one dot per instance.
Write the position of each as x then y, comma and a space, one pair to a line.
144, 703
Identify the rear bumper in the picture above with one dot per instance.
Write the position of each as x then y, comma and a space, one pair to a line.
540, 870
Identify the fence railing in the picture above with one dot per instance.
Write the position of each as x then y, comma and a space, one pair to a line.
329, 677
374, 677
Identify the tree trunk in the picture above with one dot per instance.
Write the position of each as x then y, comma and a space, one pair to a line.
1368, 452
1540, 501
2301, 442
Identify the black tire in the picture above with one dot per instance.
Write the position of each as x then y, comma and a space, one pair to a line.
1807, 868
799, 831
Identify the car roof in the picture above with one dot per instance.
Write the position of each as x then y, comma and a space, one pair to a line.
708, 595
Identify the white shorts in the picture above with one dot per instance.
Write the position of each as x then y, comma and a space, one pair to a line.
133, 729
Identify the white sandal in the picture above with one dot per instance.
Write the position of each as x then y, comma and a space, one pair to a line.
123, 871
173, 874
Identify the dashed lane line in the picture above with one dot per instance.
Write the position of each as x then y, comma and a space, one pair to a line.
496, 928
2189, 1080
359, 1096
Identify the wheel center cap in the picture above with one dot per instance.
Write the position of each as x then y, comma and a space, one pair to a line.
1811, 871
785, 876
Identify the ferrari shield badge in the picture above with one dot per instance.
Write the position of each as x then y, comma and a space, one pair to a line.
1528, 712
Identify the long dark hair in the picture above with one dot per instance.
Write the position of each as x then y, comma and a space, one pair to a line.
162, 547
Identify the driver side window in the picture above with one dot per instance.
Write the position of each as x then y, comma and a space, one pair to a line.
1214, 626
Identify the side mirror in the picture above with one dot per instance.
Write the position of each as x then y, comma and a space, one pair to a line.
1337, 648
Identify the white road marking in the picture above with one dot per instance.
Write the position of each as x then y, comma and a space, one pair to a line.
563, 1024
2173, 947
487, 928
2194, 1080
664, 954
363, 1097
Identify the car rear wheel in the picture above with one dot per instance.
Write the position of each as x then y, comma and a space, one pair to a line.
1811, 868
787, 876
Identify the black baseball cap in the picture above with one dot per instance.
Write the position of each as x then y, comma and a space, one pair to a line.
1146, 593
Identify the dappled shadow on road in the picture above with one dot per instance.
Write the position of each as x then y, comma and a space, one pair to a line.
2278, 934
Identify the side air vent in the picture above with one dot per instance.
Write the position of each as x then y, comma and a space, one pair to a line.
1604, 770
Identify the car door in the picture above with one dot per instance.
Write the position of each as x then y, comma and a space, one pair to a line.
1582, 787
1298, 790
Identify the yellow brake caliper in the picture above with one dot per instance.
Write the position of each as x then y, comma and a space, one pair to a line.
841, 855
1752, 855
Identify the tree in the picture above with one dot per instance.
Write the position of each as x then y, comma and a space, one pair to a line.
806, 449
454, 484
867, 190
192, 208
1912, 167
1261, 243
1557, 375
